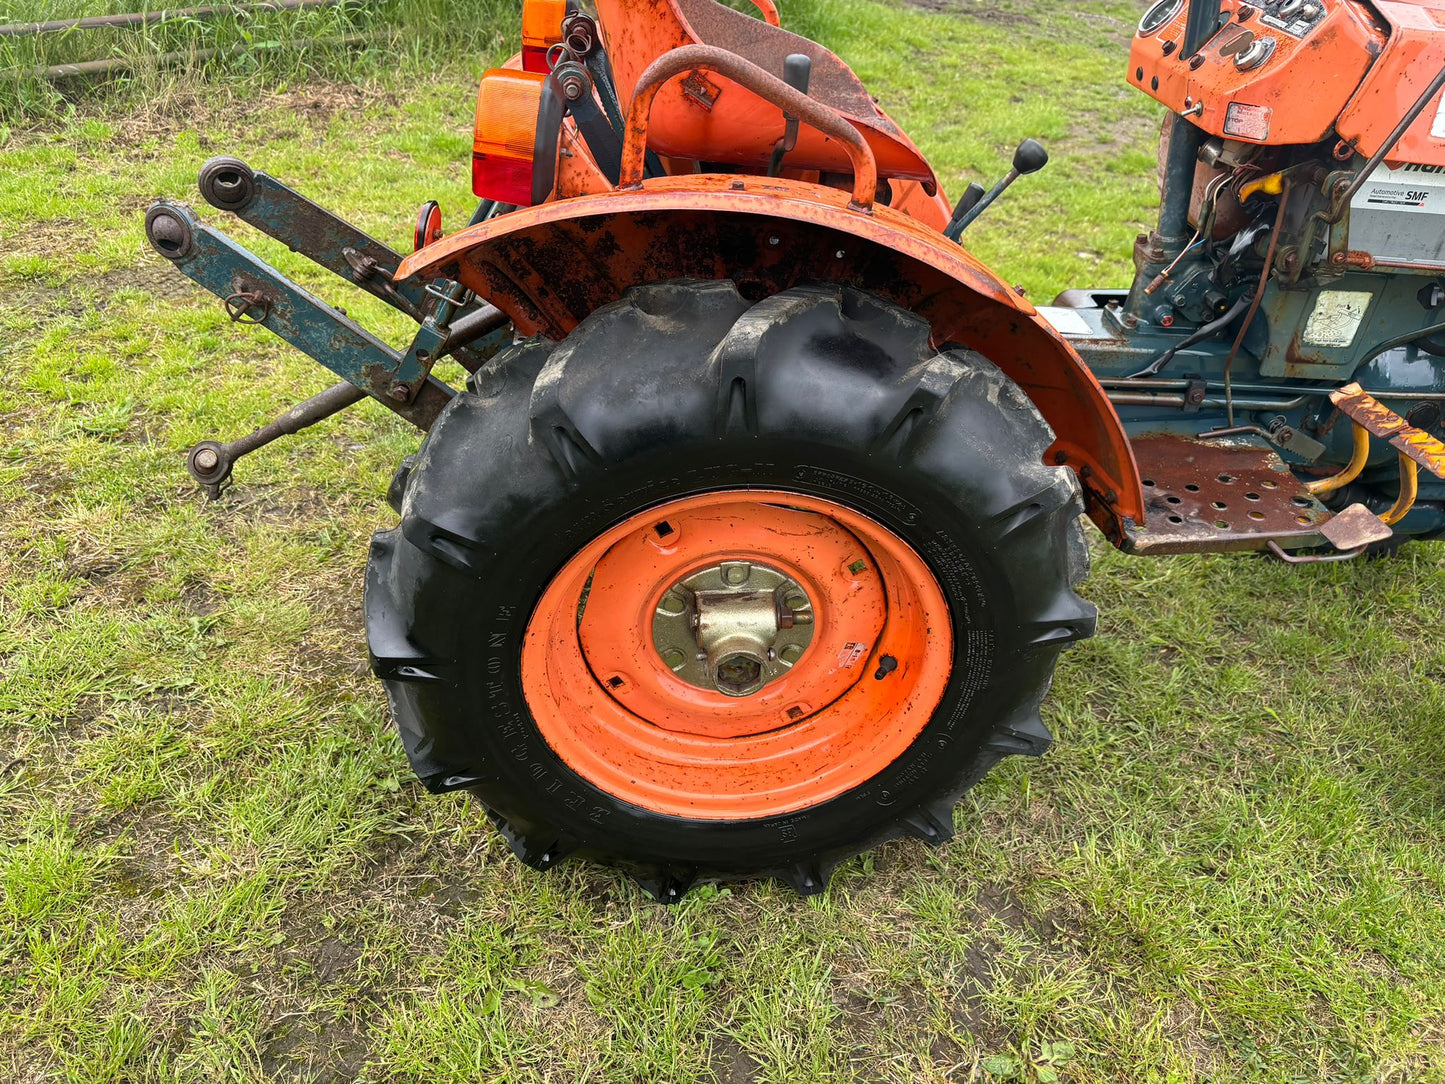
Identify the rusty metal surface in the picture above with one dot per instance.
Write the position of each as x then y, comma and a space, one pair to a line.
549, 266
741, 128
765, 85
211, 462
262, 295
1354, 527
1220, 495
1364, 409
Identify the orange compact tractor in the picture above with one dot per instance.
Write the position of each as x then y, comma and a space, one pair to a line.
754, 536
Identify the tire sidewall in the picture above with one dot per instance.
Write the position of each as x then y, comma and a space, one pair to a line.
536, 785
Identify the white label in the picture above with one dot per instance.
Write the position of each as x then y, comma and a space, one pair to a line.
1412, 188
1438, 129
1065, 321
1248, 121
1337, 316
850, 654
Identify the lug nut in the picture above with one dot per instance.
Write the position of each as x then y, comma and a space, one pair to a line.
739, 674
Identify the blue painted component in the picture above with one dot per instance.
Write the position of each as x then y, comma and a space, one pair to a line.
255, 292
306, 227
1188, 398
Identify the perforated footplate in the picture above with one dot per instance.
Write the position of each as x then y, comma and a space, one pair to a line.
1213, 495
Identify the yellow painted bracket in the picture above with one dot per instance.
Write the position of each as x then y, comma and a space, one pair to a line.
1353, 468
1369, 413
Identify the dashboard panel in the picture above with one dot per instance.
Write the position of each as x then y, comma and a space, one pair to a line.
1277, 71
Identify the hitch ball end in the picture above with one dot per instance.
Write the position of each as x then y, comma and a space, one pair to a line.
168, 231
226, 183
209, 463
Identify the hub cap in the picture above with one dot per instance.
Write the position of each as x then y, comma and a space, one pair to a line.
737, 654
733, 627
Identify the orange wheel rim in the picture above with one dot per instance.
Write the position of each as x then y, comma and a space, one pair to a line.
860, 655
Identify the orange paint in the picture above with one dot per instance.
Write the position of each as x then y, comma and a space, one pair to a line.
769, 11
1415, 54
612, 710
548, 267
719, 121
1296, 94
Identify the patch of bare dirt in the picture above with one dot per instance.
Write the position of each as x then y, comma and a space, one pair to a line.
730, 1063
1007, 15
1038, 17
223, 111
301, 1048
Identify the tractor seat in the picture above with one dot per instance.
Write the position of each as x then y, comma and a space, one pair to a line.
711, 119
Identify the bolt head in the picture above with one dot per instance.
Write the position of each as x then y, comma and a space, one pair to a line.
739, 674
399, 392
206, 459
737, 573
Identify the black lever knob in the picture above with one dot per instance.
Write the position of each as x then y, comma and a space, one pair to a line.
967, 202
1030, 157
798, 70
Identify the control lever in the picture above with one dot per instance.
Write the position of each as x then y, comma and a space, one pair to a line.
797, 71
1029, 158
967, 202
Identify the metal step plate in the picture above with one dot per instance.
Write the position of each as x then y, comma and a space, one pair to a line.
1364, 409
1208, 496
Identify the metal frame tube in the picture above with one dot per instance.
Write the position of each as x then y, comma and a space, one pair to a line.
1358, 459
1409, 490
1179, 165
190, 56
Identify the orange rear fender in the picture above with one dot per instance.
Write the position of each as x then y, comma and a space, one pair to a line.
548, 267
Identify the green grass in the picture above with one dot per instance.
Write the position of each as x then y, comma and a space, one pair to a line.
214, 864
234, 54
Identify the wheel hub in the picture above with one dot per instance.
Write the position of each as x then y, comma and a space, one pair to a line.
734, 627
728, 580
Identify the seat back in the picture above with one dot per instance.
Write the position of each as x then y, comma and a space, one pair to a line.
712, 119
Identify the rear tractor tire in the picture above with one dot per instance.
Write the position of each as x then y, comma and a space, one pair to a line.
714, 589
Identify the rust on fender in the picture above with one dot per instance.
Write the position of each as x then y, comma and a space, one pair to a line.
548, 267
